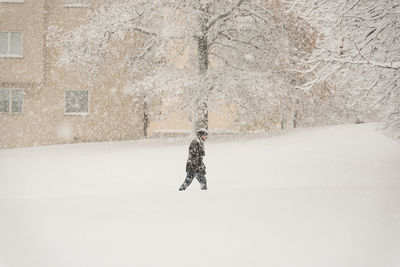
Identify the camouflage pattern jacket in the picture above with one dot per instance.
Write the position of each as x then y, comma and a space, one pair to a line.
195, 160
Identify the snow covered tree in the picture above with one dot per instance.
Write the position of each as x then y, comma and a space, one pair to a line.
234, 51
359, 52
263, 86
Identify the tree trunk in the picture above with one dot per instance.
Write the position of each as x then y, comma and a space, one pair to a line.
283, 121
295, 116
295, 119
201, 115
145, 118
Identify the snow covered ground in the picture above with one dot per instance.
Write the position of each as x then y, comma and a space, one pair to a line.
320, 197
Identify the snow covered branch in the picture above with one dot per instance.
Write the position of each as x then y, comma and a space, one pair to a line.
363, 37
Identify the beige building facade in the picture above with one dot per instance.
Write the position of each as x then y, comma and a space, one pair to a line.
42, 103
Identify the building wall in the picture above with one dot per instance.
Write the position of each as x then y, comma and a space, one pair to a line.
112, 114
25, 73
28, 18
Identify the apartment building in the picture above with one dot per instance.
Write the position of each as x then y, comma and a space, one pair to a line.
42, 103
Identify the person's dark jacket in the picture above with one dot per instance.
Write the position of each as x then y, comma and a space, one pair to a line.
196, 153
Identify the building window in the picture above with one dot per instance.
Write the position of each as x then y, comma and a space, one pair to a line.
11, 1
11, 101
10, 44
76, 102
77, 3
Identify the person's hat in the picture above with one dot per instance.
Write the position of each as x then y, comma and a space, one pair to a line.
202, 132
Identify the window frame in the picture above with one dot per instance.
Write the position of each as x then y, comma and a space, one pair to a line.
77, 113
12, 1
9, 45
89, 4
10, 101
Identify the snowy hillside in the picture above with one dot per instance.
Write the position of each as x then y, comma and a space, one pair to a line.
320, 197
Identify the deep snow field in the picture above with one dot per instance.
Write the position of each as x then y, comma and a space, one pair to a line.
320, 197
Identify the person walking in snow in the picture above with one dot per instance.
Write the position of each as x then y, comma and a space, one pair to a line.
195, 166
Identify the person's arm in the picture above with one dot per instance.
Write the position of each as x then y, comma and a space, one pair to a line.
194, 150
194, 155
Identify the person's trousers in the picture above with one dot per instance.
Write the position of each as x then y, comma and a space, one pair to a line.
189, 178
